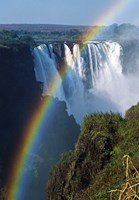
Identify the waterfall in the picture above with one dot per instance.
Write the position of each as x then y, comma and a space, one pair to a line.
74, 75
46, 71
94, 79
73, 82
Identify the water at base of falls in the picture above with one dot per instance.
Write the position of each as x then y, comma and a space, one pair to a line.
94, 81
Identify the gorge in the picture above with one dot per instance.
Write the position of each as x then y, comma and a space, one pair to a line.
99, 76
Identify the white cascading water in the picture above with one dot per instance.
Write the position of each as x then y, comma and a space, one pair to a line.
106, 72
94, 81
46, 72
74, 80
75, 74
110, 82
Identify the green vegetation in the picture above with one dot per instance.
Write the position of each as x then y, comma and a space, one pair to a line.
11, 39
95, 167
65, 33
73, 34
19, 38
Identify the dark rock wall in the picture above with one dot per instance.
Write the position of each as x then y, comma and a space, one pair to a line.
19, 93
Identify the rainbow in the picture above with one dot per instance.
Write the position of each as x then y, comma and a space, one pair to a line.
31, 133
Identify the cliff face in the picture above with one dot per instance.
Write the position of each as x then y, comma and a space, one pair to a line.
60, 135
95, 166
19, 93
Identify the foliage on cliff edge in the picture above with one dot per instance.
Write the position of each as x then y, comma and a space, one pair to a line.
94, 168
10, 39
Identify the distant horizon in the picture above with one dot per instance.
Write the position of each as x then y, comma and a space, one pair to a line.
68, 24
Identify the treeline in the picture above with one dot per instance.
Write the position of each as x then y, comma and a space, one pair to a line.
73, 34
114, 32
11, 38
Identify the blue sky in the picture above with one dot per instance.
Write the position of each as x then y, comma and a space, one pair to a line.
76, 12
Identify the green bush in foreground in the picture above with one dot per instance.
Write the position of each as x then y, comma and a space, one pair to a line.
94, 168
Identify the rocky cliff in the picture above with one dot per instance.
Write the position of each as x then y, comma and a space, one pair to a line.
95, 167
